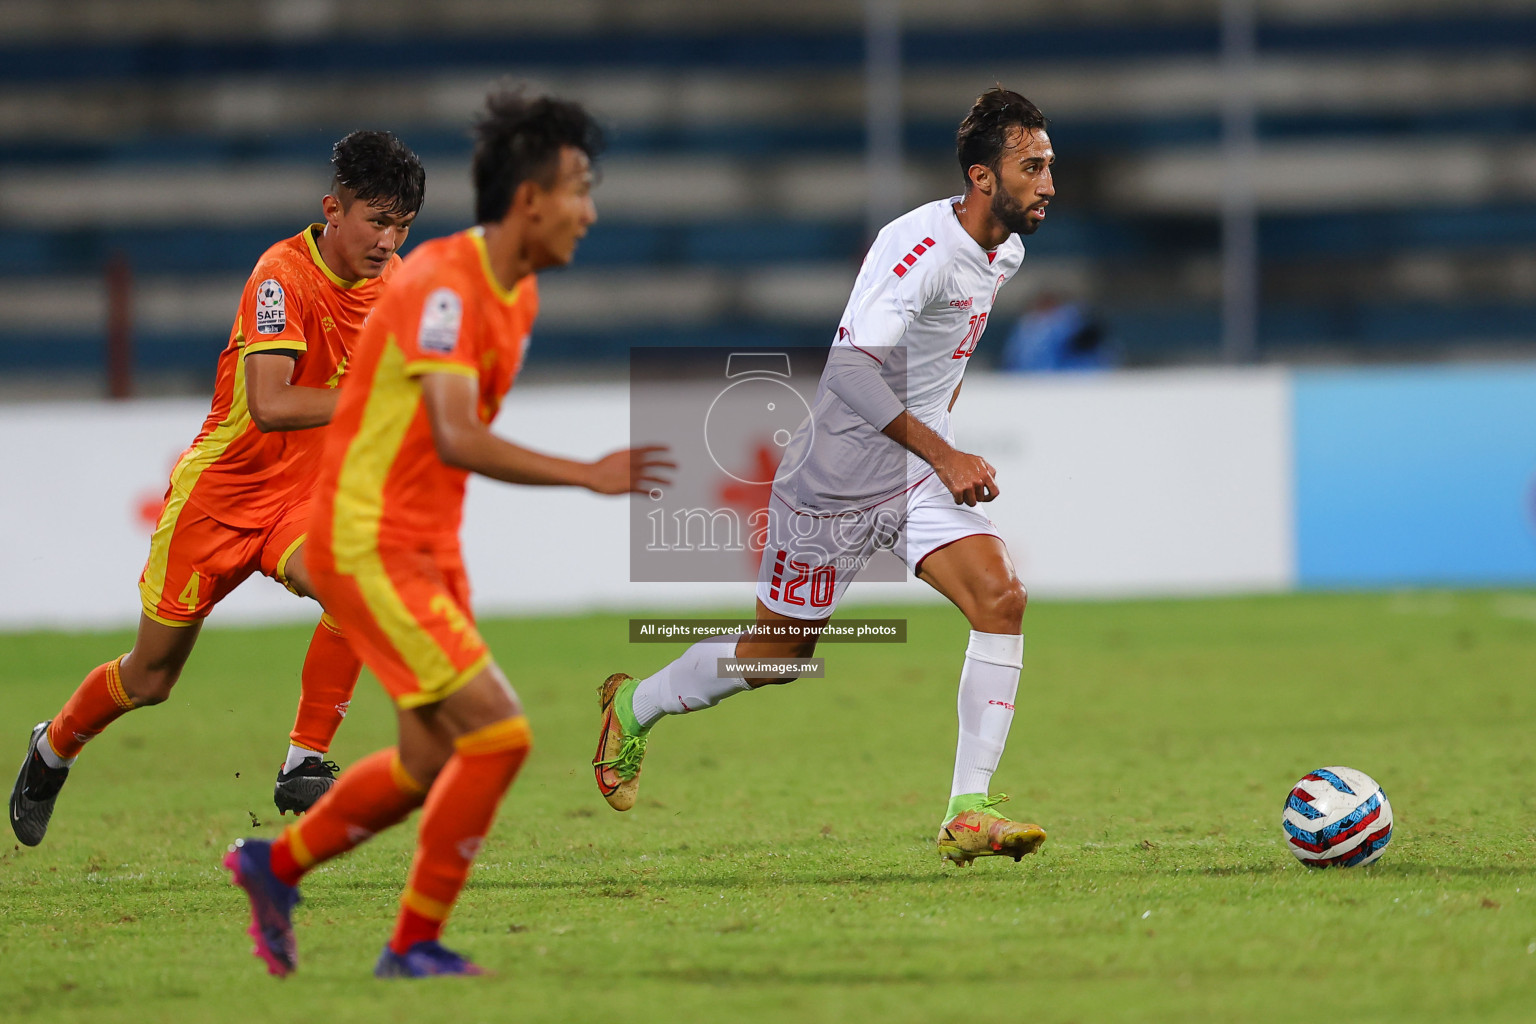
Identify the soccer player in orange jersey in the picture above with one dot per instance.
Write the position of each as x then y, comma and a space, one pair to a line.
238, 500
428, 376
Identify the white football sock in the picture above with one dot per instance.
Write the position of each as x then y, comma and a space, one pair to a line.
50, 756
298, 755
988, 683
688, 684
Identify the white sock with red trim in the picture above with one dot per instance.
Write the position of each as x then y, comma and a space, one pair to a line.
988, 683
691, 683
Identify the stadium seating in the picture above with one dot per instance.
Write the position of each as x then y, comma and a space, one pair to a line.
1397, 150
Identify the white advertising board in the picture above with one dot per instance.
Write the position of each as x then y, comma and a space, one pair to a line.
1124, 484
1172, 482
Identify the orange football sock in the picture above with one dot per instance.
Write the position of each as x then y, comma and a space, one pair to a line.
458, 815
369, 797
325, 687
98, 702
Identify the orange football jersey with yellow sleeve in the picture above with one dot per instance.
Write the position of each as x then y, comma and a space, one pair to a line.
292, 303
381, 482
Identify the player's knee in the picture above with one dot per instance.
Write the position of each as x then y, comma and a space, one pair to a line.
150, 686
758, 682
424, 763
799, 649
150, 670
1001, 608
783, 650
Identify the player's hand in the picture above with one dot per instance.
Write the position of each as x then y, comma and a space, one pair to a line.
970, 478
632, 471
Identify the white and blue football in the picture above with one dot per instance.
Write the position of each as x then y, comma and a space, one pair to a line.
1337, 817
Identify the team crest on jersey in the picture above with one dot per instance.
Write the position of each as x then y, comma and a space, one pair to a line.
271, 307
440, 320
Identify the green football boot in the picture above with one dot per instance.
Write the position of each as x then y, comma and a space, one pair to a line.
620, 743
974, 829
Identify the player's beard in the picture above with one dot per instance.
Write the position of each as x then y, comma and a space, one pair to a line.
1011, 213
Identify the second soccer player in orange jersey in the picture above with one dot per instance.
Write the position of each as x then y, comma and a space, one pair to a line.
238, 500
428, 377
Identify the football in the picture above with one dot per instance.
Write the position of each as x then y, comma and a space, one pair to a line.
1337, 817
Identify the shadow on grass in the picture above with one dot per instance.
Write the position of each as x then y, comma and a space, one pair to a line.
1419, 869
773, 977
605, 885
1394, 869
612, 886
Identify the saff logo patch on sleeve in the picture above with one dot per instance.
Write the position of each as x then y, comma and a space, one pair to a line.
271, 308
440, 320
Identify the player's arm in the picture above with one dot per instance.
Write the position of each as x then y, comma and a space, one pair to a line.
464, 442
275, 402
853, 374
970, 478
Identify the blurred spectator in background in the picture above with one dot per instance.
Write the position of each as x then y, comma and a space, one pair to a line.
1054, 334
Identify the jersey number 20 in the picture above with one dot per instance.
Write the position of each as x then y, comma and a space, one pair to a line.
822, 580
972, 336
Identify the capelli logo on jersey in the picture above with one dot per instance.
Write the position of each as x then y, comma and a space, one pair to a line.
961, 303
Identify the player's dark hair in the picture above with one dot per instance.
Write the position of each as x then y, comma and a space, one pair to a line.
518, 139
378, 168
985, 132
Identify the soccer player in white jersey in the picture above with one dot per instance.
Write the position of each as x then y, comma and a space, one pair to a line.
875, 465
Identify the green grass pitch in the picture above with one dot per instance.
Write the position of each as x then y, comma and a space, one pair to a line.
780, 863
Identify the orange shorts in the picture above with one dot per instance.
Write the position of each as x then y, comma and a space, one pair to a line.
407, 613
195, 560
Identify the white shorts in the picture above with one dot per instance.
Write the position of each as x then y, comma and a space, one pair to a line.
810, 558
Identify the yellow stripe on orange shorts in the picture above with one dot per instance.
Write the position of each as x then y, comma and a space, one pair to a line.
406, 624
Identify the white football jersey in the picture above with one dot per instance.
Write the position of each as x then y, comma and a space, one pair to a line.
919, 308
